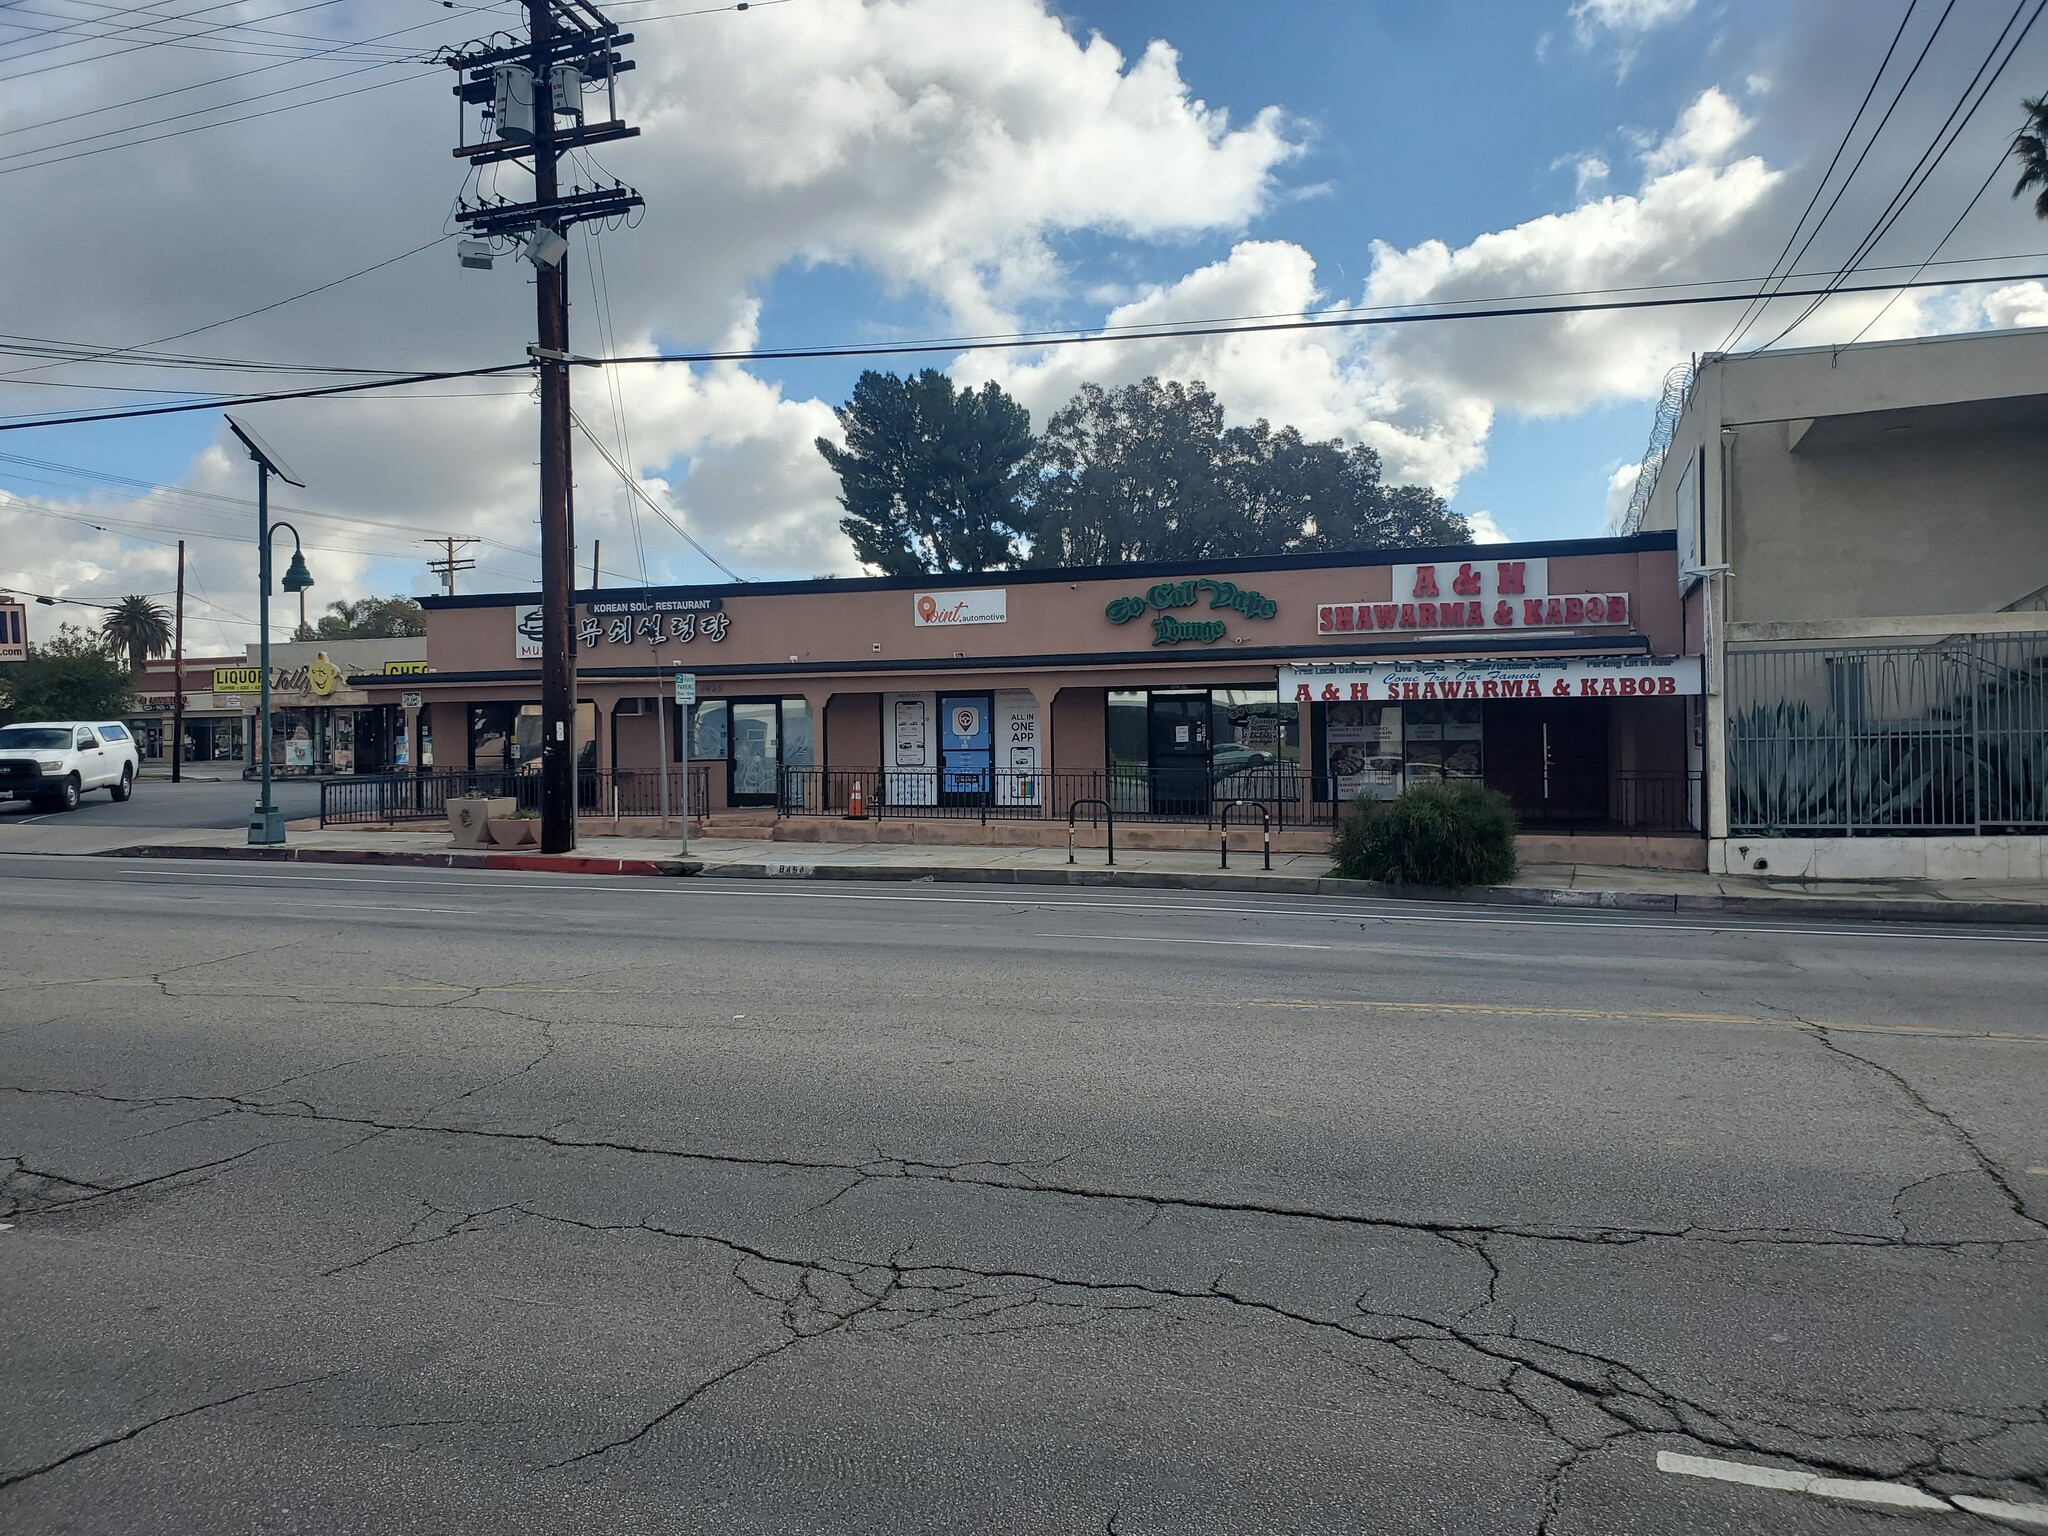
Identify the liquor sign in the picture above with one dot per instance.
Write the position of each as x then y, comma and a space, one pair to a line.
13, 631
405, 668
988, 606
1568, 677
237, 679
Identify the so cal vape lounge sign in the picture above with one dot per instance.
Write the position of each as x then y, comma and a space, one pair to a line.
1170, 629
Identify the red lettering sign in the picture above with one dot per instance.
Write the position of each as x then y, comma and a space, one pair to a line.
1508, 577
1425, 582
1361, 691
1466, 582
1383, 615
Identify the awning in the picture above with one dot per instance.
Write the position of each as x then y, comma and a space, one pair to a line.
1488, 677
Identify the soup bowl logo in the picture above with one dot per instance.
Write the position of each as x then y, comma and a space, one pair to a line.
530, 624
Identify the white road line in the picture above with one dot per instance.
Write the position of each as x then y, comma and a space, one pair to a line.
1854, 1489
2004, 1509
1147, 938
726, 889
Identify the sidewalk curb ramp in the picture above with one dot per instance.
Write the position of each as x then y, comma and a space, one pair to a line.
1864, 908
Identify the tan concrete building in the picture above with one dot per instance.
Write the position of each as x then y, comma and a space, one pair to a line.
1565, 673
1868, 526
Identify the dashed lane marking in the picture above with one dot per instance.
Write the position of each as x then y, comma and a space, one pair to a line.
1853, 1489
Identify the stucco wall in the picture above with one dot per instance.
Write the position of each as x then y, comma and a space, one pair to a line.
1945, 515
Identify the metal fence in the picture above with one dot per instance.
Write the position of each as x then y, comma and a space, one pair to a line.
405, 797
1191, 795
1618, 802
1948, 736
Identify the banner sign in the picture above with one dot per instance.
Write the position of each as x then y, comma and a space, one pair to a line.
13, 631
682, 620
1565, 677
988, 606
1165, 595
237, 679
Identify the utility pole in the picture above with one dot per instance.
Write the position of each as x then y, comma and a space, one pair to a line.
178, 677
446, 568
596, 549
569, 44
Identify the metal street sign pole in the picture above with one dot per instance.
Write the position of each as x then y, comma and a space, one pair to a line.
661, 726
686, 695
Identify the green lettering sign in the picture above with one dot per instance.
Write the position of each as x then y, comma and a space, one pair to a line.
1165, 595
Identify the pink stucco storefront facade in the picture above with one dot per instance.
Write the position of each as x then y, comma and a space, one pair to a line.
1566, 674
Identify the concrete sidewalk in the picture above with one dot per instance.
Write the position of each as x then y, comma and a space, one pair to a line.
1551, 885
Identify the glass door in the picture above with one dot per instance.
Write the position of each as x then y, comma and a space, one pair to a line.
754, 743
966, 745
1180, 754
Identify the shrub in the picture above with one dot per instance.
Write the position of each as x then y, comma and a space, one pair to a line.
1453, 833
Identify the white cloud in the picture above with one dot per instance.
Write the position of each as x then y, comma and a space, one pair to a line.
1625, 23
1485, 530
2017, 304
1621, 490
946, 160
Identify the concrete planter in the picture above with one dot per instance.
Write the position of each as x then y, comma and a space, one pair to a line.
513, 831
469, 817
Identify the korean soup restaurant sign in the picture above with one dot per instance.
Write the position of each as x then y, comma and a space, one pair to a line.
1474, 594
1575, 677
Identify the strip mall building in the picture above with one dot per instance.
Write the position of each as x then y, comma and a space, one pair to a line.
1565, 674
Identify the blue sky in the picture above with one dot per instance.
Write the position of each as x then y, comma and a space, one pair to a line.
867, 170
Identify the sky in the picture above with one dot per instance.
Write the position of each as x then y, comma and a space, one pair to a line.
883, 171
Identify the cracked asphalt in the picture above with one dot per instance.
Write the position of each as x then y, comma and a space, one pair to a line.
407, 1200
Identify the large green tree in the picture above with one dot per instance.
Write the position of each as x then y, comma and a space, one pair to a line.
1150, 471
138, 627
2030, 148
929, 476
369, 618
74, 676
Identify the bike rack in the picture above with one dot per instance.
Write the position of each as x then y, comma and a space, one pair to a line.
1109, 815
1265, 820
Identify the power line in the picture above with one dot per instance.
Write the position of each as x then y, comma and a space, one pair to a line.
633, 484
239, 74
261, 309
116, 53
178, 133
901, 349
1742, 320
1835, 201
1925, 167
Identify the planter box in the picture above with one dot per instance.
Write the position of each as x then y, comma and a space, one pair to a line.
513, 831
469, 817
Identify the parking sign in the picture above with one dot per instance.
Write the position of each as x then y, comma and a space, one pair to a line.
686, 688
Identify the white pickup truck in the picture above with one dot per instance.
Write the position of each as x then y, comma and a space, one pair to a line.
53, 762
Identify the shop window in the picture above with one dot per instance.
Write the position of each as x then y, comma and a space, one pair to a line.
490, 737
797, 751
707, 733
1125, 733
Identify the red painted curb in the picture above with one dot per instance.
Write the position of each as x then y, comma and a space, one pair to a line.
531, 863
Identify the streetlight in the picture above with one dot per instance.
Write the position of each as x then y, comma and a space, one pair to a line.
266, 822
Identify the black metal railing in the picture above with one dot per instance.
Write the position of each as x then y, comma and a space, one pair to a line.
1628, 803
1193, 795
412, 797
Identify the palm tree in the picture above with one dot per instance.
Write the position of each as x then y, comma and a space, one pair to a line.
141, 626
2030, 148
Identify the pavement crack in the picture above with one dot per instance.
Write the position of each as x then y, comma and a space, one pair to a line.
1948, 1122
12, 1479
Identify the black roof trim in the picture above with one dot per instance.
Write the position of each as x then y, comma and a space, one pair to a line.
1459, 645
1145, 571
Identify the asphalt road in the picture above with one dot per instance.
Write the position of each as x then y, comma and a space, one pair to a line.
160, 803
444, 1201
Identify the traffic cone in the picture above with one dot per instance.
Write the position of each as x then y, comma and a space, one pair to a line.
856, 804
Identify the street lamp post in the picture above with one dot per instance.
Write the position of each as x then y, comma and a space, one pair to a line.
266, 822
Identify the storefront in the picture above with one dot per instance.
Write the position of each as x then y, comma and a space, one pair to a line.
321, 723
1165, 694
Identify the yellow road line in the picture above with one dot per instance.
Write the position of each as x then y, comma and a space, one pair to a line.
1497, 1010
